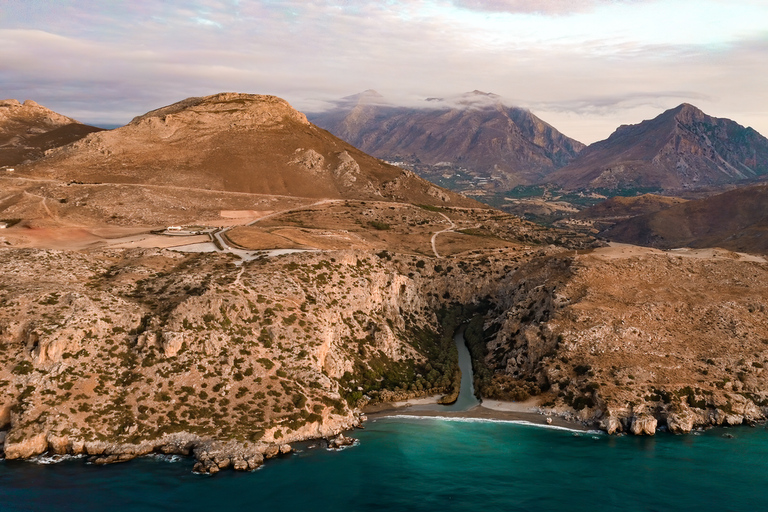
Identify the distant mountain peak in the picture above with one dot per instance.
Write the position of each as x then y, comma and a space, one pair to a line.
471, 130
367, 97
681, 148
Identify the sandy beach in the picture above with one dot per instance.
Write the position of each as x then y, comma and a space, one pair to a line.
492, 410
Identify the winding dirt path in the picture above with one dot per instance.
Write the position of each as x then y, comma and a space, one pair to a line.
446, 230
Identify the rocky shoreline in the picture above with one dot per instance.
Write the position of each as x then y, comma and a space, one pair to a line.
211, 456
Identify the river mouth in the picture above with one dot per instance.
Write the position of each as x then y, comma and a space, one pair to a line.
466, 399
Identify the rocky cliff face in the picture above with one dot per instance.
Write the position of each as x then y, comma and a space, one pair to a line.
681, 149
483, 136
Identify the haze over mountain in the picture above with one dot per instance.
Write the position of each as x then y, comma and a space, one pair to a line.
235, 143
681, 149
27, 130
475, 131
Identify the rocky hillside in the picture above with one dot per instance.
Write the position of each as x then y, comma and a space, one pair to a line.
681, 149
27, 130
476, 132
633, 339
235, 143
736, 220
121, 353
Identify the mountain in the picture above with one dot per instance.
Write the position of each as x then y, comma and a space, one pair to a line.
27, 130
475, 131
736, 220
683, 148
235, 143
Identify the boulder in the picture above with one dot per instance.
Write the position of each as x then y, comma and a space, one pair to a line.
254, 461
272, 451
26, 447
340, 441
643, 425
285, 448
612, 425
58, 444
681, 422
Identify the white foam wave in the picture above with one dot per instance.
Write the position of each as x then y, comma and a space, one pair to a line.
490, 420
47, 458
165, 458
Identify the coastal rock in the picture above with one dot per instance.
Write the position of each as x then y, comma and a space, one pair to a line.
643, 425
58, 444
26, 447
254, 461
285, 448
340, 441
272, 450
681, 422
612, 425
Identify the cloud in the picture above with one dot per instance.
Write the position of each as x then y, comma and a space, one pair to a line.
548, 7
605, 64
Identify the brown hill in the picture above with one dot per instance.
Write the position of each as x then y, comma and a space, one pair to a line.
620, 208
683, 148
476, 132
235, 143
735, 220
27, 130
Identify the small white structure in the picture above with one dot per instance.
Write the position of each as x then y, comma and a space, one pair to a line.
3, 225
174, 228
10, 169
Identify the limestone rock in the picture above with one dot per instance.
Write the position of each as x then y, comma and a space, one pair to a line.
643, 425
26, 447
681, 422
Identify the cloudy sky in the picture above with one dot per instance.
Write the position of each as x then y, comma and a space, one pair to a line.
584, 66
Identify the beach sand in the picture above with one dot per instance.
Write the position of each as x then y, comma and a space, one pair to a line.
493, 410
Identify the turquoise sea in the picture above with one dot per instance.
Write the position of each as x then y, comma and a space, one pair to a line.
429, 464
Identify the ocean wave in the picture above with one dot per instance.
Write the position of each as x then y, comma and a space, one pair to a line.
52, 458
166, 458
490, 420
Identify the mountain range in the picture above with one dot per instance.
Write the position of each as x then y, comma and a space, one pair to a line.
475, 131
682, 149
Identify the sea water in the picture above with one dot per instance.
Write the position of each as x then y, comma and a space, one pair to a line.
429, 464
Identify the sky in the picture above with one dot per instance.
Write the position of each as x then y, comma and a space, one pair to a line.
583, 66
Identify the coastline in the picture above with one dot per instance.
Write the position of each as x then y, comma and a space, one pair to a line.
490, 410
